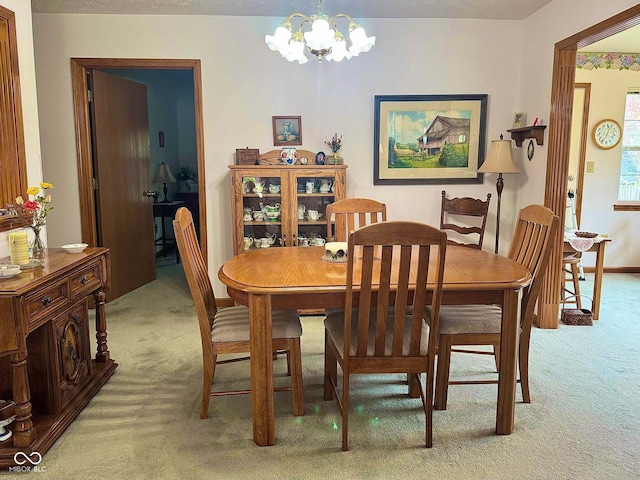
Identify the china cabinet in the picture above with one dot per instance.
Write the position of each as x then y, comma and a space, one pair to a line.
282, 205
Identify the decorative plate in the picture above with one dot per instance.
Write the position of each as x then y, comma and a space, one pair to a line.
33, 263
8, 270
586, 234
330, 259
74, 247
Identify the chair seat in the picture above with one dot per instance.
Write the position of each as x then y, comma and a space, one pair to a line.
231, 324
334, 324
460, 319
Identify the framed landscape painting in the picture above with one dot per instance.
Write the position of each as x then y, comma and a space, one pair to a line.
428, 139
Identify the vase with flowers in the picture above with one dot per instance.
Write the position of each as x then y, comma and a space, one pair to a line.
335, 144
35, 212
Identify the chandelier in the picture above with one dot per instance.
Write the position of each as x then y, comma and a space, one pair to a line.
321, 37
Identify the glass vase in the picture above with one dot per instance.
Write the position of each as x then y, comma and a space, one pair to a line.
37, 246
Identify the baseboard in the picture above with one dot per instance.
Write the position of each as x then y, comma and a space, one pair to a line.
614, 269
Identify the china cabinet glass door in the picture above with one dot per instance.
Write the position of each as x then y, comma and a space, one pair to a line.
314, 190
262, 210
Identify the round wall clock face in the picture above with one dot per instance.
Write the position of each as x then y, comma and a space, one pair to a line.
607, 134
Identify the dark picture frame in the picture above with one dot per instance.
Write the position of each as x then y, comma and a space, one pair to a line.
428, 139
287, 131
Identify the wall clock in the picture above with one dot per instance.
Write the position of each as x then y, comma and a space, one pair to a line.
606, 134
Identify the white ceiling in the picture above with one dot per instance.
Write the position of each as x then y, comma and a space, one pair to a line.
624, 42
494, 9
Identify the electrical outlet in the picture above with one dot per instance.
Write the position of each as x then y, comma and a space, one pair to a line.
591, 167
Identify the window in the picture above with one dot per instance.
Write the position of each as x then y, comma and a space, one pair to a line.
13, 178
629, 186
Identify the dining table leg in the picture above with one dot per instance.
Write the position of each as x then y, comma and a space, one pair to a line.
264, 433
505, 414
597, 280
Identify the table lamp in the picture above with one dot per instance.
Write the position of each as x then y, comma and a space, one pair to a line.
499, 160
164, 176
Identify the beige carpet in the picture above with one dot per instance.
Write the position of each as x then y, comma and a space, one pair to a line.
583, 422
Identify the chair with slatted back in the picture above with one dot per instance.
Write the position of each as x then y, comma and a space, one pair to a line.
385, 332
349, 214
480, 324
226, 330
454, 209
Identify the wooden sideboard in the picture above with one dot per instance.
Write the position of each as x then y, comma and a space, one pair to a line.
46, 366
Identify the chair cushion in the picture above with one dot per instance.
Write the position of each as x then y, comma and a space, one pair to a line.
334, 324
231, 324
467, 318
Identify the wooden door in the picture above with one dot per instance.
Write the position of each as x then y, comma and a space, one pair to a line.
122, 164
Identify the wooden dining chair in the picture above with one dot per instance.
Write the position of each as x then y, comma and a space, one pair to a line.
349, 214
386, 277
226, 330
480, 324
454, 209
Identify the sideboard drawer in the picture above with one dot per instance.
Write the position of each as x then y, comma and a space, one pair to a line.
44, 302
87, 280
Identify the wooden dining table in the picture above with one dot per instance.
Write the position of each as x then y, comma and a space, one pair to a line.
299, 277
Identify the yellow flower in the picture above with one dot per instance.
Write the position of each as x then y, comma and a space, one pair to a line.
19, 200
33, 191
46, 185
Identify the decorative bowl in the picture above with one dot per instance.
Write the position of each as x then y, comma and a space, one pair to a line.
336, 251
273, 216
585, 234
9, 270
74, 247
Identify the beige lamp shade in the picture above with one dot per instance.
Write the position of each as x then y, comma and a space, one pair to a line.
163, 174
499, 159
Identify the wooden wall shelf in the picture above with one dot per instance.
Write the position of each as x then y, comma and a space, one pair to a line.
522, 133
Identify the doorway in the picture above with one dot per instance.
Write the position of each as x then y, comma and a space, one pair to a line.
86, 169
562, 90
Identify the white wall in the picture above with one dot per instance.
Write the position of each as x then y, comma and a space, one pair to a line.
22, 10
556, 21
245, 85
608, 92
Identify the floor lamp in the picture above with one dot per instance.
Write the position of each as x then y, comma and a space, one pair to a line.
164, 176
499, 160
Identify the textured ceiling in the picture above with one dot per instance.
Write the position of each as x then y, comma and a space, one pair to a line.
494, 9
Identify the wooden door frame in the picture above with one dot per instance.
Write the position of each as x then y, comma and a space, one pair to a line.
563, 82
79, 68
582, 154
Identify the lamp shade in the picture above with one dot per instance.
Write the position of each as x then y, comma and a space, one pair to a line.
163, 174
499, 159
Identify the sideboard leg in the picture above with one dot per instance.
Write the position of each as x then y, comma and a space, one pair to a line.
24, 432
102, 352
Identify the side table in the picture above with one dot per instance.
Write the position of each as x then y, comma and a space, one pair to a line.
164, 210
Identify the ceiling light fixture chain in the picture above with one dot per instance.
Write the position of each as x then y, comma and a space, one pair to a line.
319, 38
